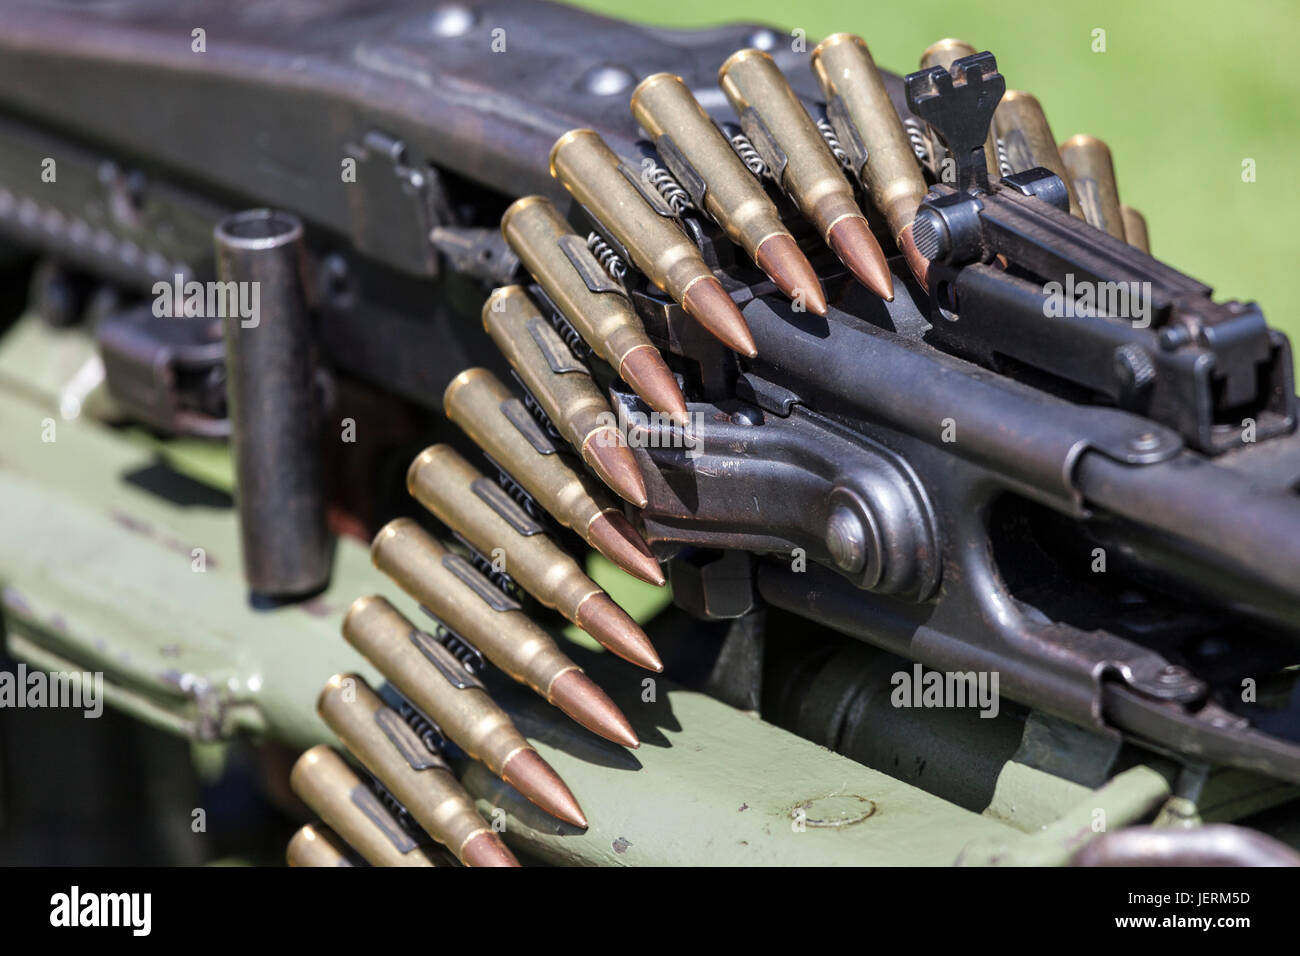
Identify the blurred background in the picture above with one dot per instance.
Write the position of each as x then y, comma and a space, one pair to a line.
1184, 93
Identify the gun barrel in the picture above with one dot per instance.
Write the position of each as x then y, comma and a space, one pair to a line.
1180, 524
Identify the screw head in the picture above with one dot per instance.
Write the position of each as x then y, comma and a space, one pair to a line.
608, 80
847, 540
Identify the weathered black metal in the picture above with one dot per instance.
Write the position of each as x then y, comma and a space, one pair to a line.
275, 405
1148, 337
167, 372
959, 105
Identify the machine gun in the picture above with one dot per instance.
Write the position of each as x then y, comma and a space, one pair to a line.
1049, 456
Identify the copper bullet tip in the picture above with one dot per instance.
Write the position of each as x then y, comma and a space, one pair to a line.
532, 776
708, 303
858, 249
918, 263
486, 849
607, 453
645, 370
578, 696
613, 536
608, 623
779, 256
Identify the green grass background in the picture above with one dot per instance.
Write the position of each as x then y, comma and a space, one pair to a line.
1184, 92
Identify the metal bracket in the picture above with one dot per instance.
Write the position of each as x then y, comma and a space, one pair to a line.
395, 205
959, 106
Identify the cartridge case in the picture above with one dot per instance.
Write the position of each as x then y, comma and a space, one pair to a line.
787, 138
943, 53
699, 155
451, 588
1027, 139
559, 382
324, 781
475, 507
410, 657
394, 754
869, 128
315, 844
562, 264
1135, 229
631, 209
489, 413
1087, 161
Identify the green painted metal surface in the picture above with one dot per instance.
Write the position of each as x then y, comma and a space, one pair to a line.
1126, 799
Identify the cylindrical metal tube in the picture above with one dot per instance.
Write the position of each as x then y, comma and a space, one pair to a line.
317, 845
805, 166
1215, 845
633, 211
1027, 139
458, 595
669, 112
387, 747
1087, 160
943, 53
563, 265
324, 782
274, 404
864, 118
387, 638
1135, 229
476, 508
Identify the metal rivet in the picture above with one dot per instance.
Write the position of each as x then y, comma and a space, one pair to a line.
607, 80
452, 20
1147, 441
1173, 674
